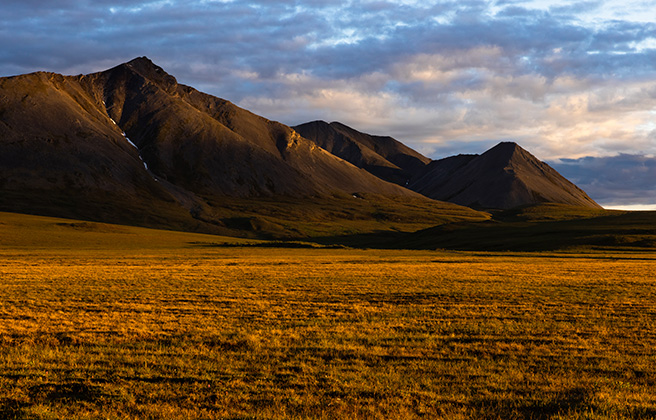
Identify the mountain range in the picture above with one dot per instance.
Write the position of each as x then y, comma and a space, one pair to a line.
132, 145
504, 177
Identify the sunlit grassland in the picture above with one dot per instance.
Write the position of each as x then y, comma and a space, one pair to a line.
168, 328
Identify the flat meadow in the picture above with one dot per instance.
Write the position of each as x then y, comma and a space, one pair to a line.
104, 322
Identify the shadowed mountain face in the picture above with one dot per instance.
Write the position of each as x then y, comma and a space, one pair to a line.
384, 157
131, 145
504, 177
62, 155
208, 145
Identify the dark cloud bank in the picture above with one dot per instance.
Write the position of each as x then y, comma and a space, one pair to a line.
613, 181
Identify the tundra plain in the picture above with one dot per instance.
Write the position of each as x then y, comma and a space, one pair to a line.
111, 322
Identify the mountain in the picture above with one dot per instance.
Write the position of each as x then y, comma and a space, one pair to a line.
61, 155
503, 177
384, 157
208, 145
132, 145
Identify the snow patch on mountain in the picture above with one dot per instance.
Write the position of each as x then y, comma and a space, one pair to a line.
141, 158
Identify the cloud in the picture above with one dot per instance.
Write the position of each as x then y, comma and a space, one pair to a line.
565, 81
575, 7
615, 180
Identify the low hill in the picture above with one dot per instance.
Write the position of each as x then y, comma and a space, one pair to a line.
20, 232
600, 230
543, 227
534, 229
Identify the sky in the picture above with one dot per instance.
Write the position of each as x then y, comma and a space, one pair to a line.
574, 83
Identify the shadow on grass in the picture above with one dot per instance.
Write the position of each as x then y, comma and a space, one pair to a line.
623, 232
13, 409
633, 231
72, 391
270, 244
573, 403
47, 393
564, 403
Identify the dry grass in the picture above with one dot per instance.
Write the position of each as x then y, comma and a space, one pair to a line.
177, 330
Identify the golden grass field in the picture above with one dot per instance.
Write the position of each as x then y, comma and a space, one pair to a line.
111, 322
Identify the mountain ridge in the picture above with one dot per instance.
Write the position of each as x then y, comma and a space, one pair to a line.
502, 177
227, 129
132, 145
383, 156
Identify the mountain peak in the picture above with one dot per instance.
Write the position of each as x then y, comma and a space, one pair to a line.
143, 59
505, 148
316, 122
145, 67
509, 153
384, 157
507, 145
503, 177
